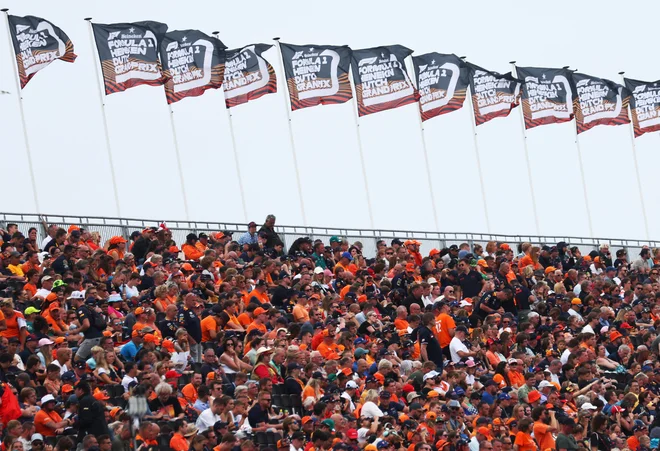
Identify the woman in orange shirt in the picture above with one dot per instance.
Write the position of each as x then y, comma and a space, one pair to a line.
16, 324
531, 259
162, 301
524, 440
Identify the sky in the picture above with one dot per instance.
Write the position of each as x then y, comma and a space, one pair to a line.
64, 123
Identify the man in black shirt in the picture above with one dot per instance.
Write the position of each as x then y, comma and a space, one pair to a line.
429, 346
189, 320
141, 245
88, 327
470, 280
283, 291
258, 415
64, 262
491, 302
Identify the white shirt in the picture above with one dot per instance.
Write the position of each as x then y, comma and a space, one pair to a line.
351, 406
371, 410
63, 368
564, 357
588, 329
206, 420
42, 293
126, 382
574, 313
456, 345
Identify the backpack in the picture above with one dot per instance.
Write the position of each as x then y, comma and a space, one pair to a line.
96, 320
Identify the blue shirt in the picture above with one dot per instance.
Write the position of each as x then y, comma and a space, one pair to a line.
246, 238
488, 398
129, 351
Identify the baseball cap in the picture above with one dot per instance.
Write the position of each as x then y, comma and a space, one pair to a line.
351, 385
533, 396
31, 310
351, 434
172, 374
36, 437
48, 398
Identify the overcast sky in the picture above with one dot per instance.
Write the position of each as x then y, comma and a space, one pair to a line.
71, 164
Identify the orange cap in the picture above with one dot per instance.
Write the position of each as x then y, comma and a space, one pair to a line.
100, 395
210, 376
433, 252
51, 297
484, 431
174, 250
151, 338
139, 311
410, 267
259, 311
114, 412
59, 340
187, 267
550, 269
218, 235
505, 247
107, 333
67, 388
168, 345
72, 228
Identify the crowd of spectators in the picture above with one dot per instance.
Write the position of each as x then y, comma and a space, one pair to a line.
234, 342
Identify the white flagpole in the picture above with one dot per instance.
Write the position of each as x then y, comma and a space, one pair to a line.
178, 163
285, 95
584, 183
99, 79
476, 150
361, 152
233, 145
529, 168
19, 92
434, 208
639, 179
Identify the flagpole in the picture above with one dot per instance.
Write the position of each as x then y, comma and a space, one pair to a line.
584, 183
639, 179
476, 150
19, 92
529, 168
361, 153
288, 117
426, 154
233, 146
178, 163
105, 119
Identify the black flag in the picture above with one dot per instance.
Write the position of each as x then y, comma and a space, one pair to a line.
547, 95
644, 105
37, 43
381, 80
193, 62
599, 102
248, 75
129, 54
493, 94
316, 74
442, 82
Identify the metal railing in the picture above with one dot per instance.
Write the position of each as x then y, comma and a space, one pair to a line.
109, 227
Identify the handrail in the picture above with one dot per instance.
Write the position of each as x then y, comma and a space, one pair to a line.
125, 226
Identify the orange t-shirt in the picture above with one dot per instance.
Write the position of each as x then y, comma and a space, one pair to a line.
190, 393
42, 418
517, 379
207, 324
263, 298
527, 261
633, 443
191, 252
401, 324
443, 323
525, 442
261, 327
179, 443
31, 288
12, 330
300, 313
28, 266
244, 319
327, 349
542, 436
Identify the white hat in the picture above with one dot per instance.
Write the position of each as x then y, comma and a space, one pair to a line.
545, 384
44, 342
465, 304
263, 349
47, 398
514, 361
588, 406
297, 276
77, 295
431, 281
351, 384
430, 375
318, 270
45, 278
36, 437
